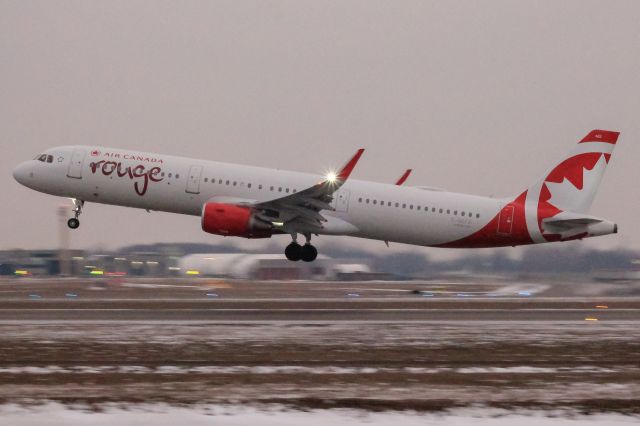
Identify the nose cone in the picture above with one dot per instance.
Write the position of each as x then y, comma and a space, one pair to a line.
21, 173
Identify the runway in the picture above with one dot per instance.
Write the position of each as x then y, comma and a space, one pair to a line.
378, 346
307, 312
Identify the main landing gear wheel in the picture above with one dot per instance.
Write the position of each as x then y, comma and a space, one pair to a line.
293, 251
74, 223
309, 253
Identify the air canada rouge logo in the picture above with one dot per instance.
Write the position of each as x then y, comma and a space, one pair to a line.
139, 174
95, 153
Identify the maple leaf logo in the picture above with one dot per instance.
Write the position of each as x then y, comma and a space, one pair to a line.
567, 196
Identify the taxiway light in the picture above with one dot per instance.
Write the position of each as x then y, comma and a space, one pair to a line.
193, 272
602, 307
97, 272
591, 319
21, 272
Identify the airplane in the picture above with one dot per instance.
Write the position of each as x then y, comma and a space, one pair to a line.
254, 202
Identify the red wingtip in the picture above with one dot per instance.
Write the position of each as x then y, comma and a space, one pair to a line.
404, 177
348, 168
605, 136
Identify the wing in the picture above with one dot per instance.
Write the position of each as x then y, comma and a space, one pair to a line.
300, 212
404, 177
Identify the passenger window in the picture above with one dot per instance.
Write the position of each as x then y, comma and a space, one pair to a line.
177, 176
220, 181
411, 207
389, 203
206, 179
404, 206
271, 188
375, 202
259, 186
235, 183
286, 190
169, 174
478, 215
455, 212
367, 201
248, 185
462, 214
360, 199
448, 211
279, 189
440, 210
418, 207
397, 204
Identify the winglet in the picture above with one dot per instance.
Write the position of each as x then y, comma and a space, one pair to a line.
344, 173
404, 177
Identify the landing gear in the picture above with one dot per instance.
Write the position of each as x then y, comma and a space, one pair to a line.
306, 253
309, 253
293, 251
74, 223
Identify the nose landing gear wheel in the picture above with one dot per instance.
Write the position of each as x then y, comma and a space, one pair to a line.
293, 252
309, 253
73, 223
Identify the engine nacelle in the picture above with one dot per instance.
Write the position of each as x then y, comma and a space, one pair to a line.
234, 221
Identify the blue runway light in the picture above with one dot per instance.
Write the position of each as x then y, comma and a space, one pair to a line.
212, 295
353, 295
35, 296
524, 293
71, 295
426, 294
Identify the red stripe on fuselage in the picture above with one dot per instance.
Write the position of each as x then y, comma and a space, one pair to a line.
489, 235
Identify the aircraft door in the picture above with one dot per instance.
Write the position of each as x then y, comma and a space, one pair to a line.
505, 222
76, 163
193, 180
341, 200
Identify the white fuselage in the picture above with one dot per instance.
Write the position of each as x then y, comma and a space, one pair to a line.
157, 182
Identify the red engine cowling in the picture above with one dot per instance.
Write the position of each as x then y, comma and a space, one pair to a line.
234, 221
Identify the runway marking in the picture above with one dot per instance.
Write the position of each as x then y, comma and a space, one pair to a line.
160, 310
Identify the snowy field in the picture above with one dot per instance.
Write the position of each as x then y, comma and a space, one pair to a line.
53, 414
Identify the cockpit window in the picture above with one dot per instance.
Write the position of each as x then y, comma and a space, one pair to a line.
49, 158
42, 157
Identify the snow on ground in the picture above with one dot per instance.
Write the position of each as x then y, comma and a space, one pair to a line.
294, 369
53, 414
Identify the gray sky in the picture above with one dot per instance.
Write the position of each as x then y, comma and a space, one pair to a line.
478, 97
